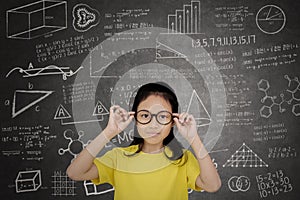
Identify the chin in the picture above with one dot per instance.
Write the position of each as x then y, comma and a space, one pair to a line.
153, 140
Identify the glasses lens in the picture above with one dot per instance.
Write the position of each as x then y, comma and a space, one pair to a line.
143, 117
164, 117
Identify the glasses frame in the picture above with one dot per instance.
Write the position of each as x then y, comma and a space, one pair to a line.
154, 115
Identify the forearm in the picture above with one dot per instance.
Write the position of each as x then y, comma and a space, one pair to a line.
209, 178
82, 164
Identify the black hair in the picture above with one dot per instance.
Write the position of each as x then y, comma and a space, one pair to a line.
163, 90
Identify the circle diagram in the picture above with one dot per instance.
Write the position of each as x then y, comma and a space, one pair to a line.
270, 19
241, 183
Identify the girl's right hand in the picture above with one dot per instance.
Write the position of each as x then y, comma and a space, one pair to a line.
119, 119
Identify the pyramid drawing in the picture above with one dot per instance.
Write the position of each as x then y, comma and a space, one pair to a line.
201, 114
245, 157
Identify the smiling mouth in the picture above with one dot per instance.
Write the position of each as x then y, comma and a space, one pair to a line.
152, 134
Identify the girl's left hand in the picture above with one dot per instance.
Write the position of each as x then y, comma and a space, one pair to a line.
186, 125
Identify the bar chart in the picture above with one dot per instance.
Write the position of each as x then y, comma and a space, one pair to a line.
186, 20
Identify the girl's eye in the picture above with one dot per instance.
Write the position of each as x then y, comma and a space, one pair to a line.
163, 116
145, 115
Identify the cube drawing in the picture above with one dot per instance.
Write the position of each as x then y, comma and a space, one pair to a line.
27, 181
36, 19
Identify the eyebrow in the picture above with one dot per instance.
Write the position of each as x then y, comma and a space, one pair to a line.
151, 112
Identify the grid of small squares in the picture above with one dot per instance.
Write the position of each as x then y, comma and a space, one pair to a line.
63, 185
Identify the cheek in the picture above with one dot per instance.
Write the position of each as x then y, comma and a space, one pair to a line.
139, 130
166, 130
144, 129
148, 128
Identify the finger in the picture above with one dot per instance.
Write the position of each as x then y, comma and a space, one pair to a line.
177, 123
121, 112
186, 118
181, 114
175, 115
125, 123
131, 113
176, 120
180, 117
189, 118
124, 114
183, 117
130, 118
112, 111
114, 108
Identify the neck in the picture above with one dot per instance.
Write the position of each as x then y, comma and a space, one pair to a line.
152, 148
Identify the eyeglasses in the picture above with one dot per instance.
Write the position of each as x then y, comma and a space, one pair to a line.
162, 117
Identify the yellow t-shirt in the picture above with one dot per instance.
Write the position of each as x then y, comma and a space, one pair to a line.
146, 176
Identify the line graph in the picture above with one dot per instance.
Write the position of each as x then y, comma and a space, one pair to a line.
48, 70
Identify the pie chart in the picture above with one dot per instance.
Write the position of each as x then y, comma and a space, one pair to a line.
270, 19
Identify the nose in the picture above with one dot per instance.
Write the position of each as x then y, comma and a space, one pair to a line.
154, 123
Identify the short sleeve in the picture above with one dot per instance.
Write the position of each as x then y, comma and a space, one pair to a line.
105, 166
192, 171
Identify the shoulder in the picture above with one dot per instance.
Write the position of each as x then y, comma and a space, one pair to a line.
130, 149
187, 157
117, 153
188, 153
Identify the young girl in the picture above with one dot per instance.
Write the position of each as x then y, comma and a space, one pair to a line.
155, 165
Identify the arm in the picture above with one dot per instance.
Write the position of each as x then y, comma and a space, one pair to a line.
208, 179
83, 168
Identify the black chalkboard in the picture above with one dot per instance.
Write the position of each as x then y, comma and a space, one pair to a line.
233, 64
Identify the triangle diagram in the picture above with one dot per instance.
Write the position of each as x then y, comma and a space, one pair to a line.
245, 157
61, 113
24, 99
198, 110
100, 109
164, 51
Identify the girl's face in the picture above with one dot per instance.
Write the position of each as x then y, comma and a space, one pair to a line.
154, 132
